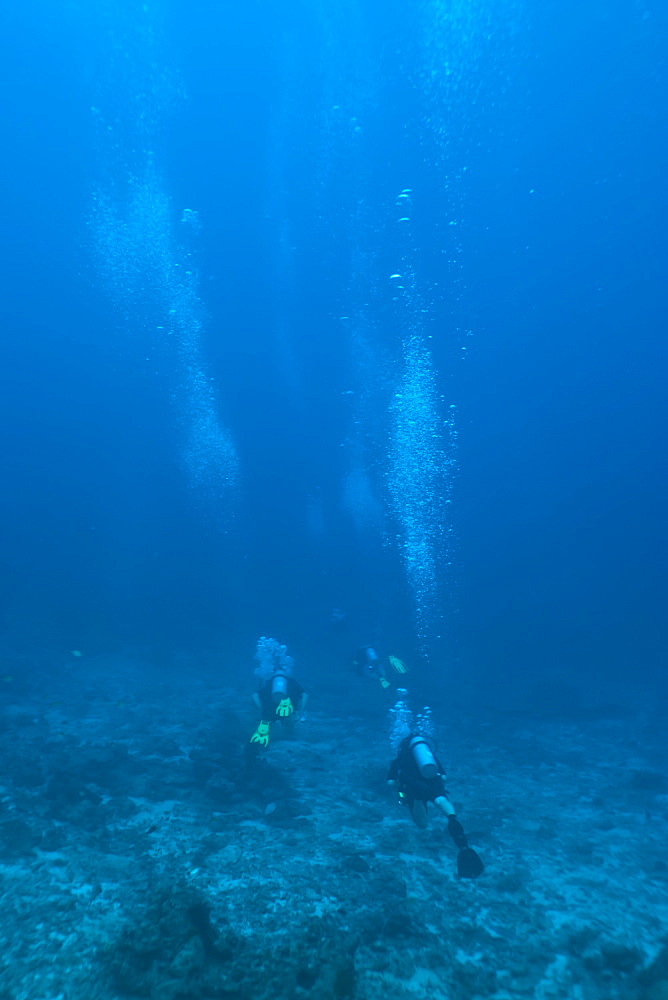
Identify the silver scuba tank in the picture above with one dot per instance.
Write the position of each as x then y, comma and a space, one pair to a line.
279, 688
423, 757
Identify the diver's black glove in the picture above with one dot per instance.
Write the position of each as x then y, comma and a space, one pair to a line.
456, 831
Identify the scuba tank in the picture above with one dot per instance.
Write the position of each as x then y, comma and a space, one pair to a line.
279, 688
370, 662
423, 757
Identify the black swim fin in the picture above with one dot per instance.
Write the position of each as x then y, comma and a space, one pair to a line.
469, 864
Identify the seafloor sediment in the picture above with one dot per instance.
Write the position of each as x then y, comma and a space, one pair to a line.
144, 854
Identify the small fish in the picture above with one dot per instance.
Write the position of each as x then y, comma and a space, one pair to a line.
8, 678
76, 652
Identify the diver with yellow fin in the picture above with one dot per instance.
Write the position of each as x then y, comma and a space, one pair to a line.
368, 663
418, 776
279, 697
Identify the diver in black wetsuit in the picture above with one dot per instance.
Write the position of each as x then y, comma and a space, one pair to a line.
368, 663
418, 776
280, 698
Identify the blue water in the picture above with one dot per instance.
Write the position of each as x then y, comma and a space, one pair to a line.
470, 465
332, 390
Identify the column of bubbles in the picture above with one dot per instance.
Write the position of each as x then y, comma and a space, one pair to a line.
424, 724
144, 252
421, 465
467, 50
460, 42
209, 456
401, 719
454, 36
402, 722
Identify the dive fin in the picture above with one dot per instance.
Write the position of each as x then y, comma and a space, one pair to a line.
469, 864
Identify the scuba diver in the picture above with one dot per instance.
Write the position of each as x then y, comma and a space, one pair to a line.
367, 663
280, 698
418, 775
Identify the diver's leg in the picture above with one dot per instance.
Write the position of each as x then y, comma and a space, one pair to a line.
418, 810
288, 728
443, 803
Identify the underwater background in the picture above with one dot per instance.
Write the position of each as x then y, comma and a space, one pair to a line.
533, 268
344, 323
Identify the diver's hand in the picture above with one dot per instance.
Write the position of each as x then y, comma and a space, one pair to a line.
284, 708
261, 734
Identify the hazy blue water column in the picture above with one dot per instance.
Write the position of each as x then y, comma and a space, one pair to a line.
351, 79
